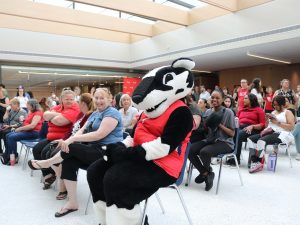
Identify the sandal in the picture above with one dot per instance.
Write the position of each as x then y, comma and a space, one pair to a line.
32, 167
60, 214
48, 182
62, 195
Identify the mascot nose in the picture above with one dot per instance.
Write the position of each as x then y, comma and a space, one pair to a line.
137, 99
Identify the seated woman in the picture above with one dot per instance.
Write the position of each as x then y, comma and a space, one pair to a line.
60, 120
296, 134
251, 121
13, 118
128, 113
220, 121
28, 131
103, 127
281, 122
229, 103
86, 105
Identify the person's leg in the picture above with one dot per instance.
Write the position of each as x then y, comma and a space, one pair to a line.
13, 137
128, 183
296, 133
194, 154
95, 176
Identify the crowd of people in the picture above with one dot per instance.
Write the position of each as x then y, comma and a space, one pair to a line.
79, 124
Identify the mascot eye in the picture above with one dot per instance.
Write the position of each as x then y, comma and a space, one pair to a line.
168, 77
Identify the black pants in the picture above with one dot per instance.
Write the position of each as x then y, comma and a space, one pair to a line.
262, 142
126, 183
79, 156
3, 134
242, 138
206, 152
42, 151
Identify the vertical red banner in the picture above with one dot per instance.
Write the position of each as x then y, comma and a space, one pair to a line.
130, 83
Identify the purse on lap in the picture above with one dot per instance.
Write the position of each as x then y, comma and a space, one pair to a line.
266, 131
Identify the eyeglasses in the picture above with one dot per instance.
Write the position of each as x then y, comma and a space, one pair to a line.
66, 89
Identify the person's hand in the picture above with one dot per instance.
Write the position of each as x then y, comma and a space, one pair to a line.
248, 129
274, 120
128, 141
63, 145
4, 127
19, 129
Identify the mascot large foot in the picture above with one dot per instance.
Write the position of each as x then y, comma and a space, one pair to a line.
100, 211
117, 216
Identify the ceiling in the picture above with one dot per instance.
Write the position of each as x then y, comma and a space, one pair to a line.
125, 21
286, 50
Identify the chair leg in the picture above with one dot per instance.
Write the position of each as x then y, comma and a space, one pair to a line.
183, 203
144, 211
87, 204
189, 174
219, 177
25, 158
289, 154
21, 149
238, 169
160, 203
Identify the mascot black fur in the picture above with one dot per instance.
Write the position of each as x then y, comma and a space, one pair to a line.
133, 170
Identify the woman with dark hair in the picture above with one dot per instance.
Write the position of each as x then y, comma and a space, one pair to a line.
229, 103
28, 131
281, 122
203, 105
221, 125
256, 89
251, 121
21, 96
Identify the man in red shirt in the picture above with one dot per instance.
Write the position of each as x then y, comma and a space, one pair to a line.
244, 90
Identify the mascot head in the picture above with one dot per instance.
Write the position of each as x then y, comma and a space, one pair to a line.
163, 86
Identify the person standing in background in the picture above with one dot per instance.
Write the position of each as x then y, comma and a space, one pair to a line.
242, 92
256, 89
268, 100
203, 93
22, 97
287, 92
196, 93
77, 91
4, 102
298, 97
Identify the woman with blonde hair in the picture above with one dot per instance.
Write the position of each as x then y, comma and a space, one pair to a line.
128, 112
103, 127
60, 120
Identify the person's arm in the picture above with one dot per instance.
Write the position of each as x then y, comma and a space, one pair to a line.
290, 121
107, 125
197, 120
5, 104
60, 120
229, 131
230, 122
49, 115
35, 120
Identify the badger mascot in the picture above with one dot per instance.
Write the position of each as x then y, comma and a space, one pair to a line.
134, 169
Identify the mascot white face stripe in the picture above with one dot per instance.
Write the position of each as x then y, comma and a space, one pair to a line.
163, 86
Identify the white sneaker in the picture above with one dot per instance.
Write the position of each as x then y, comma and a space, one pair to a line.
215, 161
298, 156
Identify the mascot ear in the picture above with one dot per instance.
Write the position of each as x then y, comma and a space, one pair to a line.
183, 63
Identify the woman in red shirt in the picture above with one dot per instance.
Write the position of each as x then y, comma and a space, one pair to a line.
268, 100
28, 131
251, 121
60, 120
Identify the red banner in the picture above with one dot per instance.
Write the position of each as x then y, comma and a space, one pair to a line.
130, 84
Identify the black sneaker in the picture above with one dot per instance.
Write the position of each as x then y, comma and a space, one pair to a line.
209, 180
231, 162
199, 179
146, 221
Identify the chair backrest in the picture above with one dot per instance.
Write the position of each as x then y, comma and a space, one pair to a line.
44, 130
180, 178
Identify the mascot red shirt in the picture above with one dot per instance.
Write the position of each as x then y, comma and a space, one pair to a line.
134, 169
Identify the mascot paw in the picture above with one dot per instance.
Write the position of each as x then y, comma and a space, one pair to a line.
114, 152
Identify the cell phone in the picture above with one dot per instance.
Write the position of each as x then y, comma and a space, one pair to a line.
270, 115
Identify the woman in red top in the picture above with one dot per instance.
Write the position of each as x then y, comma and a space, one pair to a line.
60, 120
251, 121
28, 131
268, 100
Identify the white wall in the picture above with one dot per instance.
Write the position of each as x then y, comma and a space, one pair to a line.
18, 45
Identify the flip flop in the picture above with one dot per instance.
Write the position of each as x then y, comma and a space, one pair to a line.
32, 167
59, 214
62, 195
48, 182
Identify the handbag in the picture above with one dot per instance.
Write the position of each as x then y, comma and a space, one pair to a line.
266, 131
